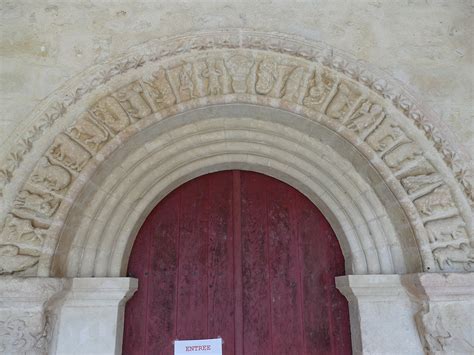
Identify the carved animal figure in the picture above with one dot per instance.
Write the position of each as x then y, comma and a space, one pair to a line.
21, 230
367, 116
109, 112
69, 154
11, 260
133, 101
448, 255
43, 203
445, 229
403, 154
439, 198
160, 89
89, 133
212, 74
340, 103
417, 182
239, 68
266, 77
53, 177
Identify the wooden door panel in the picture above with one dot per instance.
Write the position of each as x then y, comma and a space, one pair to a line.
242, 256
255, 275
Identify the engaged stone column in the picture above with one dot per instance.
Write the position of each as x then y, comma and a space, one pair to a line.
26, 320
446, 316
381, 313
91, 318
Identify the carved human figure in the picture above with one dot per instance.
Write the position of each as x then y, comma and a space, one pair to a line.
415, 183
386, 136
239, 68
40, 202
52, 177
186, 84
292, 84
12, 260
132, 99
449, 255
340, 103
266, 76
88, 133
445, 229
160, 90
68, 153
110, 113
367, 116
439, 199
212, 73
319, 87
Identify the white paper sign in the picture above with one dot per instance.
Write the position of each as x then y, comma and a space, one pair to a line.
198, 347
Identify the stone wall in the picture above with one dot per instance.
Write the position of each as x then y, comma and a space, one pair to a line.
427, 45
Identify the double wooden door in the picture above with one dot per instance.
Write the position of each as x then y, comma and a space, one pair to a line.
242, 256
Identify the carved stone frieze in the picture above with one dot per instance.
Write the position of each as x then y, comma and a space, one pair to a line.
271, 70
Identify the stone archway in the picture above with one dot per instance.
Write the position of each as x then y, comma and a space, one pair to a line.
393, 188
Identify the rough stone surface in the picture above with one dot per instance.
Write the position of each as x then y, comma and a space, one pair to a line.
410, 314
425, 45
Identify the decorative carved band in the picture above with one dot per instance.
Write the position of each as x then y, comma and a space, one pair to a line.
253, 68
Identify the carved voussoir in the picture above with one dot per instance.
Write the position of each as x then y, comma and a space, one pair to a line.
365, 118
446, 230
450, 256
239, 67
22, 232
438, 200
159, 90
12, 260
88, 133
344, 98
50, 177
132, 98
214, 77
319, 87
183, 80
41, 204
111, 114
68, 153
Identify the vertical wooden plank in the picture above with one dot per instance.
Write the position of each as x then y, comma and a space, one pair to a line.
238, 285
284, 268
317, 332
255, 294
220, 265
163, 268
193, 247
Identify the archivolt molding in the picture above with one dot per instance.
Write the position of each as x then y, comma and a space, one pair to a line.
67, 138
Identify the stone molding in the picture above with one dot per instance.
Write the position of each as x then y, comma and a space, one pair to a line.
104, 221
74, 130
91, 316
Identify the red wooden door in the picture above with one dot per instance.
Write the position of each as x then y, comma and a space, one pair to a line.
242, 256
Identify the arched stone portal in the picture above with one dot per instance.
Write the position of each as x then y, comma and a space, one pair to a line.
124, 134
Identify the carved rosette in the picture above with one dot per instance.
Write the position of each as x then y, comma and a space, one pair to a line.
247, 68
